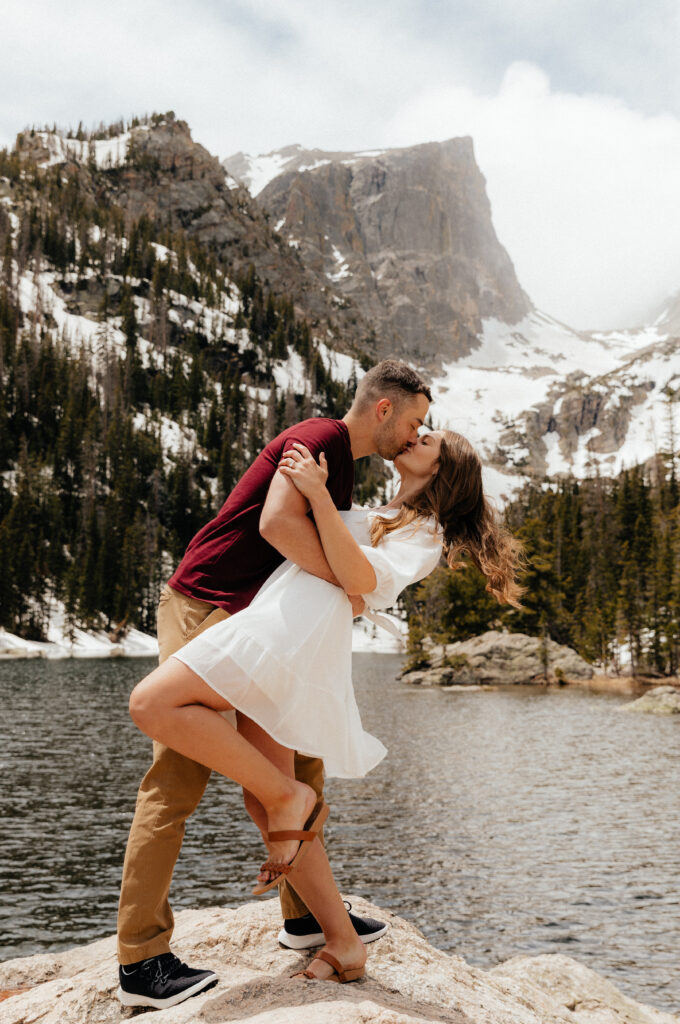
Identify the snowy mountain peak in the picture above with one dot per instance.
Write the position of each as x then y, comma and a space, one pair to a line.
669, 318
256, 172
403, 235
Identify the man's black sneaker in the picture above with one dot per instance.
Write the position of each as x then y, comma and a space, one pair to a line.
161, 981
305, 932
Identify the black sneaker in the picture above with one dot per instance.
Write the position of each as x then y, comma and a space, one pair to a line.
305, 932
161, 981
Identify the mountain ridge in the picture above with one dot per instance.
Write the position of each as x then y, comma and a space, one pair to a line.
142, 369
145, 359
406, 234
157, 170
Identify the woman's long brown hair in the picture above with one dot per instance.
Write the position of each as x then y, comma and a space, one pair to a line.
455, 497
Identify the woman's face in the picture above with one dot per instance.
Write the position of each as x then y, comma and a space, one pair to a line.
421, 461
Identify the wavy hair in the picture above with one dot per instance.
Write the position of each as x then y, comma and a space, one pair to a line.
455, 498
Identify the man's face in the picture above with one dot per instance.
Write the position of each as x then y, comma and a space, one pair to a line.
398, 425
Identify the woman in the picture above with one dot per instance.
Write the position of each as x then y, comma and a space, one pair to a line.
284, 663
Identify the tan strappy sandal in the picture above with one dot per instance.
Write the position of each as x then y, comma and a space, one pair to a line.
311, 829
342, 974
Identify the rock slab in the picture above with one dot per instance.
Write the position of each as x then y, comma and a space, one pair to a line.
662, 700
498, 657
408, 982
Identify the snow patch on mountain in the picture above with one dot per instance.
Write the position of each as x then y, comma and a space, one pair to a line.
519, 376
289, 375
342, 366
105, 152
38, 297
264, 169
256, 172
342, 266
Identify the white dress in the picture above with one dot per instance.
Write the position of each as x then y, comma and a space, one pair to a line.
285, 661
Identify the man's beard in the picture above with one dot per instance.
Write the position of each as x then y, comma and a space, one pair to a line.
387, 445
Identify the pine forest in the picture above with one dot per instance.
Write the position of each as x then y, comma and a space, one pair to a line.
113, 452
115, 447
602, 573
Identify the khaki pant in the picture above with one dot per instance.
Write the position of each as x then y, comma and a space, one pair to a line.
170, 792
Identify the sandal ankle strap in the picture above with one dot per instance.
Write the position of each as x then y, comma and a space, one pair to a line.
281, 837
335, 964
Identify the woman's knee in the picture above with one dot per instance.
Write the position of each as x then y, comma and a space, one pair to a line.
143, 706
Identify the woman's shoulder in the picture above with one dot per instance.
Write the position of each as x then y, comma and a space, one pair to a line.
418, 526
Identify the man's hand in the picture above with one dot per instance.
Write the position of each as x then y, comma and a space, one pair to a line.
358, 604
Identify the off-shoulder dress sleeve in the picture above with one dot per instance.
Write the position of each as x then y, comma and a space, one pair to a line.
402, 557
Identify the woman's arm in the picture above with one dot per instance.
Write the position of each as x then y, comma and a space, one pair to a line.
354, 572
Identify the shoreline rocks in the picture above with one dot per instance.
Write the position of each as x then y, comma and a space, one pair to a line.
408, 982
662, 700
501, 658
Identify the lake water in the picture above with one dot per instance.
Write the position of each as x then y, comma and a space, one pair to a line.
500, 823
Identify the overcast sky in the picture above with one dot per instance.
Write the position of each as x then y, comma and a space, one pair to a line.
574, 108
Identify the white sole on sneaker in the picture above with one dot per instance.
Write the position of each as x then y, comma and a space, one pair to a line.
366, 939
131, 999
314, 939
301, 941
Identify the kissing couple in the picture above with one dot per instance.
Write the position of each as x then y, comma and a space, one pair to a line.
257, 622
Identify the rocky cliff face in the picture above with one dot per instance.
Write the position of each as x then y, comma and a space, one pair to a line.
405, 235
408, 982
394, 252
609, 420
158, 170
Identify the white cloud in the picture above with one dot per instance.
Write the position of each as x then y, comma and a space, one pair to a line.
584, 190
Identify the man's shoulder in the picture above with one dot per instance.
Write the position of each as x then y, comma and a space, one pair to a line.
316, 432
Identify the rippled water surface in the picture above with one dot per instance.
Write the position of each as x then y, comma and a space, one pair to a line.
500, 823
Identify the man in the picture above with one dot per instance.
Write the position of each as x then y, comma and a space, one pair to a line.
263, 521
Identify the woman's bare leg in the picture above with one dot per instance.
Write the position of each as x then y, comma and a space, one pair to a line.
279, 756
313, 880
282, 757
174, 705
314, 883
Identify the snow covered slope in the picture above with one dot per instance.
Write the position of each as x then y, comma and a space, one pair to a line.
110, 152
538, 397
256, 172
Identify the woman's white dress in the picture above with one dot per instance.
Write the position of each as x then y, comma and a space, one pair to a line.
285, 661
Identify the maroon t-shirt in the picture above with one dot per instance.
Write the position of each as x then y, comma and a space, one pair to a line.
228, 560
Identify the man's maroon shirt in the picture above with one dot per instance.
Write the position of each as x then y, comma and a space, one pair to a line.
228, 560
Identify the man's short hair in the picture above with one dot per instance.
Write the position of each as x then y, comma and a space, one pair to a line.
391, 379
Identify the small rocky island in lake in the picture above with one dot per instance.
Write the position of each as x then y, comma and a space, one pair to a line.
498, 657
407, 981
662, 700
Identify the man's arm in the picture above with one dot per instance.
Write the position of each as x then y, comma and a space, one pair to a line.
285, 525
